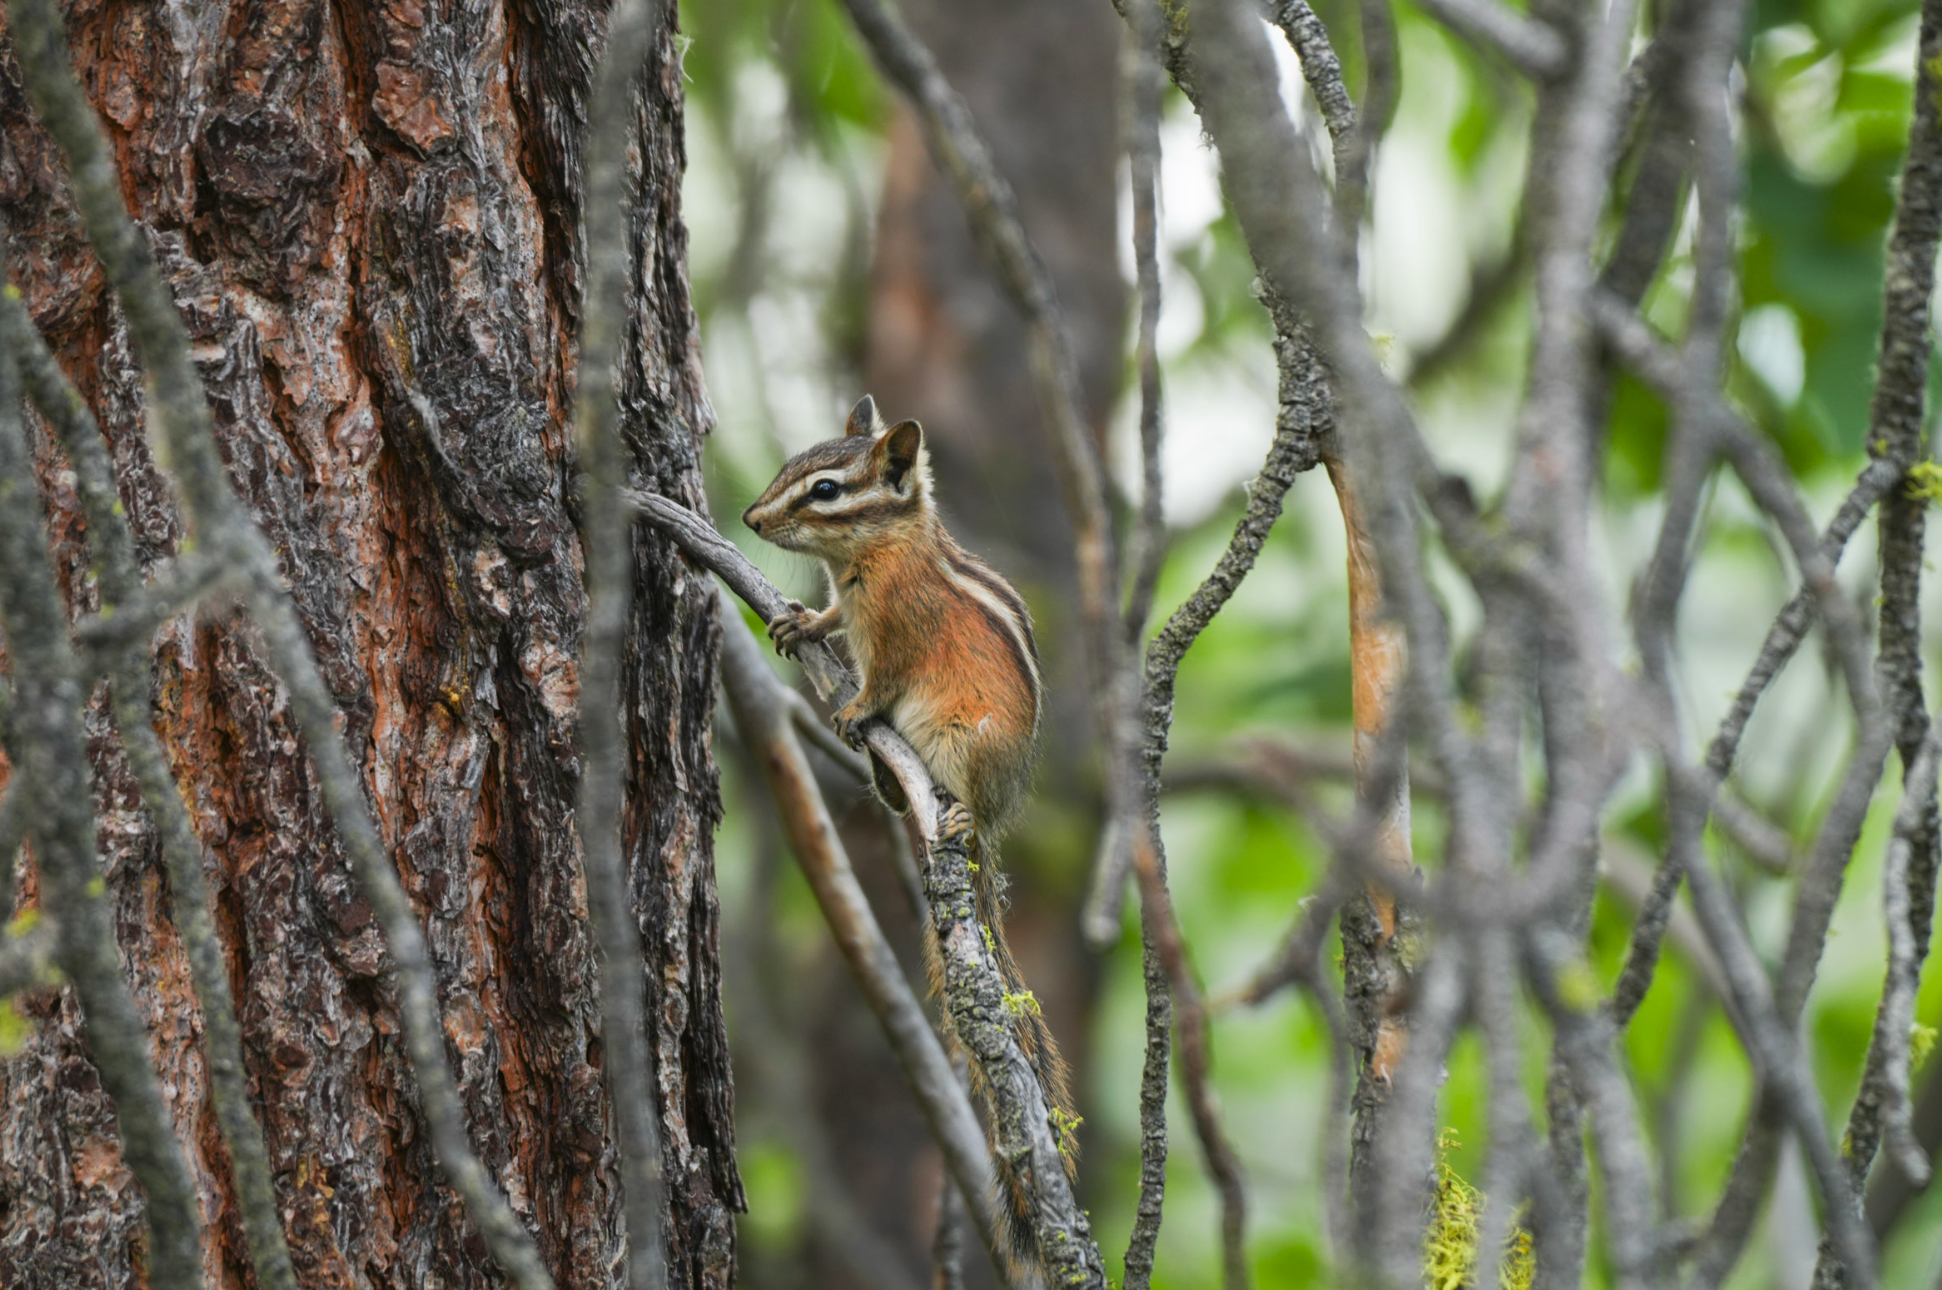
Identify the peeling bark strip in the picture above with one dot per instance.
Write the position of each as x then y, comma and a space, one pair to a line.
364, 215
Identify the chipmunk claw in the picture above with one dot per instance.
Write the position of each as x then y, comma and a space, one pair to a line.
848, 721
956, 825
793, 628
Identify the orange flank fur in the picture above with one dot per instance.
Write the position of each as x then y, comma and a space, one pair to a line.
941, 668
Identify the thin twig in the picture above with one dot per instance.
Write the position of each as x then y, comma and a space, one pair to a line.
1906, 946
1586, 1038
1770, 1040
1322, 70
1294, 449
1895, 422
1494, 981
1143, 83
109, 631
1381, 92
947, 1242
1196, 1063
1136, 808
633, 29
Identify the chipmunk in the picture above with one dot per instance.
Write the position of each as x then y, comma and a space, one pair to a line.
948, 659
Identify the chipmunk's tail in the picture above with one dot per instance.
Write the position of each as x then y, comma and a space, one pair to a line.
1041, 1050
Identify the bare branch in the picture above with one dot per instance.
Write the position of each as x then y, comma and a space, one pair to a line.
1295, 449
1143, 84
113, 628
947, 1245
1531, 45
1322, 70
1196, 1063
1586, 1039
1381, 91
1895, 421
1134, 809
1906, 947
1762, 841
1767, 1032
633, 29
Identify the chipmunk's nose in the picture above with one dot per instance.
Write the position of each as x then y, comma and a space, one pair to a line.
748, 518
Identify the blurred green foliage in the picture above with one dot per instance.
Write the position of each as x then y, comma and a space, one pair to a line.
787, 114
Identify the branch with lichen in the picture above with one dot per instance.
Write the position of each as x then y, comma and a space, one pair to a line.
1023, 1130
762, 708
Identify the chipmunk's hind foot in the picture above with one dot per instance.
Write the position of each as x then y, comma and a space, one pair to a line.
956, 825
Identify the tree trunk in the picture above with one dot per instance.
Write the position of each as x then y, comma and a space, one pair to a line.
369, 217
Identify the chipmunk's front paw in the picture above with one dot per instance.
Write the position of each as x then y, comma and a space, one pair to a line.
956, 824
849, 720
797, 626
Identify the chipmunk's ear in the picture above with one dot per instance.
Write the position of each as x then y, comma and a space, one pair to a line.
899, 449
863, 419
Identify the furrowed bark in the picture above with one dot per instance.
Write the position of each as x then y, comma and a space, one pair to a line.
360, 220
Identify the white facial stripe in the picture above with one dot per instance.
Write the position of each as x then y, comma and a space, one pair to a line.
803, 489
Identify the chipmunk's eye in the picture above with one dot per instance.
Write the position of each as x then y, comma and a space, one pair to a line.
824, 490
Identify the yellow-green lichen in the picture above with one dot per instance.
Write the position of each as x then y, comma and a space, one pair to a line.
1921, 1042
15, 1030
1456, 1220
1578, 987
1925, 481
1065, 1123
1022, 1002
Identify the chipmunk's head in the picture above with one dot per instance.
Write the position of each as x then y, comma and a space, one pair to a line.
837, 497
